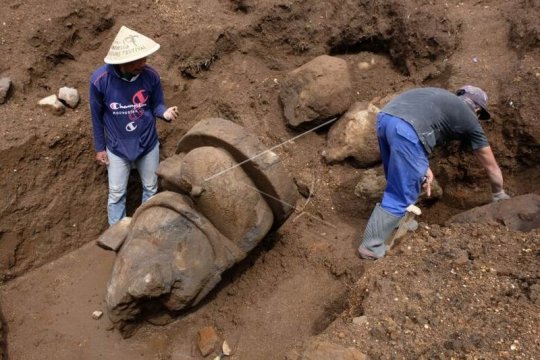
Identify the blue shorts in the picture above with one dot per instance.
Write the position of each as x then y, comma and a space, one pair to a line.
405, 163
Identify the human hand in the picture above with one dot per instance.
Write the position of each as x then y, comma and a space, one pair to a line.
428, 179
102, 158
501, 195
171, 113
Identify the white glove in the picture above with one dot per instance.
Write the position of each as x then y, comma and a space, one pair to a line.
171, 113
501, 195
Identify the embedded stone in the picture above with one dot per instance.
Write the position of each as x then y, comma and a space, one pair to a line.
519, 213
114, 236
53, 104
324, 350
360, 320
207, 341
354, 136
371, 185
96, 315
69, 96
305, 182
5, 85
316, 91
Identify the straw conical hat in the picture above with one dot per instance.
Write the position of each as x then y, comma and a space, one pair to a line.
129, 45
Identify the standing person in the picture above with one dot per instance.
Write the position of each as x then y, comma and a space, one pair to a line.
408, 128
125, 98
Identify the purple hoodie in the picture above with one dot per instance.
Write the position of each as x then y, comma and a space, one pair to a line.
124, 113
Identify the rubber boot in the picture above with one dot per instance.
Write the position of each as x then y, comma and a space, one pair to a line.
379, 228
406, 224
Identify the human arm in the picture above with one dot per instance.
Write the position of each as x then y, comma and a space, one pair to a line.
159, 110
98, 128
158, 102
487, 160
428, 179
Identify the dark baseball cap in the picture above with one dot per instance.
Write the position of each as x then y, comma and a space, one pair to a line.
478, 96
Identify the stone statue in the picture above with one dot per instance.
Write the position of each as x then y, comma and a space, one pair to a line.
223, 193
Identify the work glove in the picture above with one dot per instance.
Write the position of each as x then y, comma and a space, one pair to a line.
171, 113
501, 195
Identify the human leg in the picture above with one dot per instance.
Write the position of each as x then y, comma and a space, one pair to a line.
384, 147
406, 168
118, 173
147, 166
405, 163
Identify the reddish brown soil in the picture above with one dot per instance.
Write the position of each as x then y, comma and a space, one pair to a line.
227, 59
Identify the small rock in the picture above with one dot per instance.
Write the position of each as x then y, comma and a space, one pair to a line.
53, 104
5, 84
360, 320
69, 96
534, 291
196, 191
113, 238
322, 350
160, 319
226, 349
435, 231
462, 258
96, 315
363, 65
371, 185
208, 339
304, 181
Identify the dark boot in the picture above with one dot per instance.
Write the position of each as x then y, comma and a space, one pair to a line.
379, 228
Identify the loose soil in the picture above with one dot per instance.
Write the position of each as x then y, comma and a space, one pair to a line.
463, 290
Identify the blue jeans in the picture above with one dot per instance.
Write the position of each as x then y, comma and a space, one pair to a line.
405, 163
118, 170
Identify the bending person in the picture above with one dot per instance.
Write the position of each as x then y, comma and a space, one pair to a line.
408, 128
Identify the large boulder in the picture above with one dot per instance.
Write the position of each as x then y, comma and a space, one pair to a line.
316, 91
354, 136
520, 213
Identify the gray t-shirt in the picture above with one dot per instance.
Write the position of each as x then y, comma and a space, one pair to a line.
438, 116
